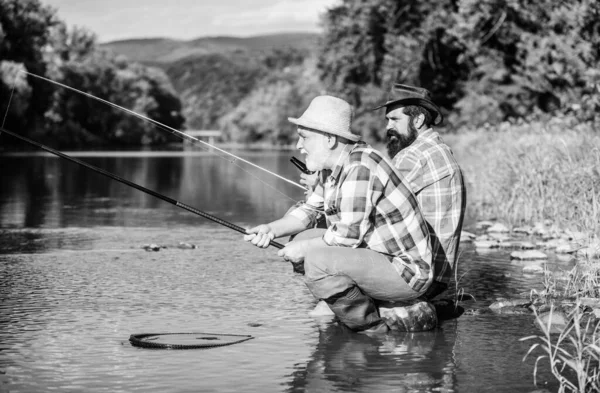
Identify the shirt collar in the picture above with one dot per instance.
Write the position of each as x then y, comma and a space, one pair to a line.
427, 131
339, 165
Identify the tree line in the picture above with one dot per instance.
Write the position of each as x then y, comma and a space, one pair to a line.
485, 61
33, 40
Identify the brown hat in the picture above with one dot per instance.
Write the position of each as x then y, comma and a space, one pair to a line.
405, 95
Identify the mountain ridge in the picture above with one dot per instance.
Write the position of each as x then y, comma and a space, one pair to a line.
164, 50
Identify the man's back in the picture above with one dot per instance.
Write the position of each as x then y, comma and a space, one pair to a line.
436, 179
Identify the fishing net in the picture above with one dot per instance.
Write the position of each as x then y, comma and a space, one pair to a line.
185, 340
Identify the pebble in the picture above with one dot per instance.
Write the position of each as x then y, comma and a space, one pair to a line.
186, 246
152, 247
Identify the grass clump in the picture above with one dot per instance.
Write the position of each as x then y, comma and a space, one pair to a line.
583, 280
573, 354
531, 172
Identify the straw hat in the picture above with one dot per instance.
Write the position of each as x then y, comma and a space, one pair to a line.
405, 95
328, 114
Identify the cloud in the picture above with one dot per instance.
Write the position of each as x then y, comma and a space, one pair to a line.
282, 13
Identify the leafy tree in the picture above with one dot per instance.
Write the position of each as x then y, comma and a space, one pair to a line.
529, 56
24, 33
370, 44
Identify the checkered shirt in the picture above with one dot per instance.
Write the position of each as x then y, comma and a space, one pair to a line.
430, 168
368, 205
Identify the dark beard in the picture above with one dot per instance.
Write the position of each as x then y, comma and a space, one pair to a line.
397, 142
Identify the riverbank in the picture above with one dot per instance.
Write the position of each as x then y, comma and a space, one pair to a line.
544, 177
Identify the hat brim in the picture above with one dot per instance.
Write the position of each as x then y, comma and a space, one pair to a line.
321, 128
429, 105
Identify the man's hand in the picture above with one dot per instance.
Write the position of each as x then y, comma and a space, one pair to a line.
309, 181
294, 251
260, 236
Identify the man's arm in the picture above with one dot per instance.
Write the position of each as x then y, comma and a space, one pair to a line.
262, 235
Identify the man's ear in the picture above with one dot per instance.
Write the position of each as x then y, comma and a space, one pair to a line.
331, 140
419, 121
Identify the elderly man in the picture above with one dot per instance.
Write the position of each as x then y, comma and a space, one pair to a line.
376, 245
431, 171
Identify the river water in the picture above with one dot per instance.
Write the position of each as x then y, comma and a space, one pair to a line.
75, 283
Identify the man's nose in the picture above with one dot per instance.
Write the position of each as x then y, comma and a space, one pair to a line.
299, 144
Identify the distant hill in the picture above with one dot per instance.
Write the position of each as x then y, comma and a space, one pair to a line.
164, 50
213, 75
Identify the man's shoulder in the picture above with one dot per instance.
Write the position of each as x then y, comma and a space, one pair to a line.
365, 153
430, 149
371, 158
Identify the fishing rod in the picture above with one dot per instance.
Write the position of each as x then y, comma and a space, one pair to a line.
165, 127
137, 186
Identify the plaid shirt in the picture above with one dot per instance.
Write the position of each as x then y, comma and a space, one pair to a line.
367, 205
430, 168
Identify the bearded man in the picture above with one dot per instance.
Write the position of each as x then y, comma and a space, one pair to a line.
376, 245
429, 167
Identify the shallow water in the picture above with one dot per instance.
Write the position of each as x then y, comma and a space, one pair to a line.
75, 283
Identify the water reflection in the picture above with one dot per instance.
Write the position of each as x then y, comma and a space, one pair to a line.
45, 191
400, 362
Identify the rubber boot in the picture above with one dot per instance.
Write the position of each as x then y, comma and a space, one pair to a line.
355, 309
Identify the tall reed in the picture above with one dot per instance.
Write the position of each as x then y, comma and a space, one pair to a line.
530, 172
573, 354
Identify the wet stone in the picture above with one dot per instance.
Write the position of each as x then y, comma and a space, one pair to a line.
498, 227
152, 247
557, 319
523, 230
523, 245
502, 304
566, 248
528, 255
486, 244
186, 246
467, 236
483, 224
499, 236
533, 269
410, 316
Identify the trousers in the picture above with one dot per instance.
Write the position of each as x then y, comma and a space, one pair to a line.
351, 280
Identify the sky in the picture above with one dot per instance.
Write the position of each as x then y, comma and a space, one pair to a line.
189, 19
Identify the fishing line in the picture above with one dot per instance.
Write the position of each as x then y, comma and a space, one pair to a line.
9, 101
136, 186
181, 135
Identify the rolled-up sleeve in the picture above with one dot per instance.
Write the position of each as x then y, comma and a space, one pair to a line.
308, 212
353, 209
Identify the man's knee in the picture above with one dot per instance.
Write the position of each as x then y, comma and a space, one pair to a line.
312, 266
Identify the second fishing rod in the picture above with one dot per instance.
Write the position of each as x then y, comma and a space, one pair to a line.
134, 185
